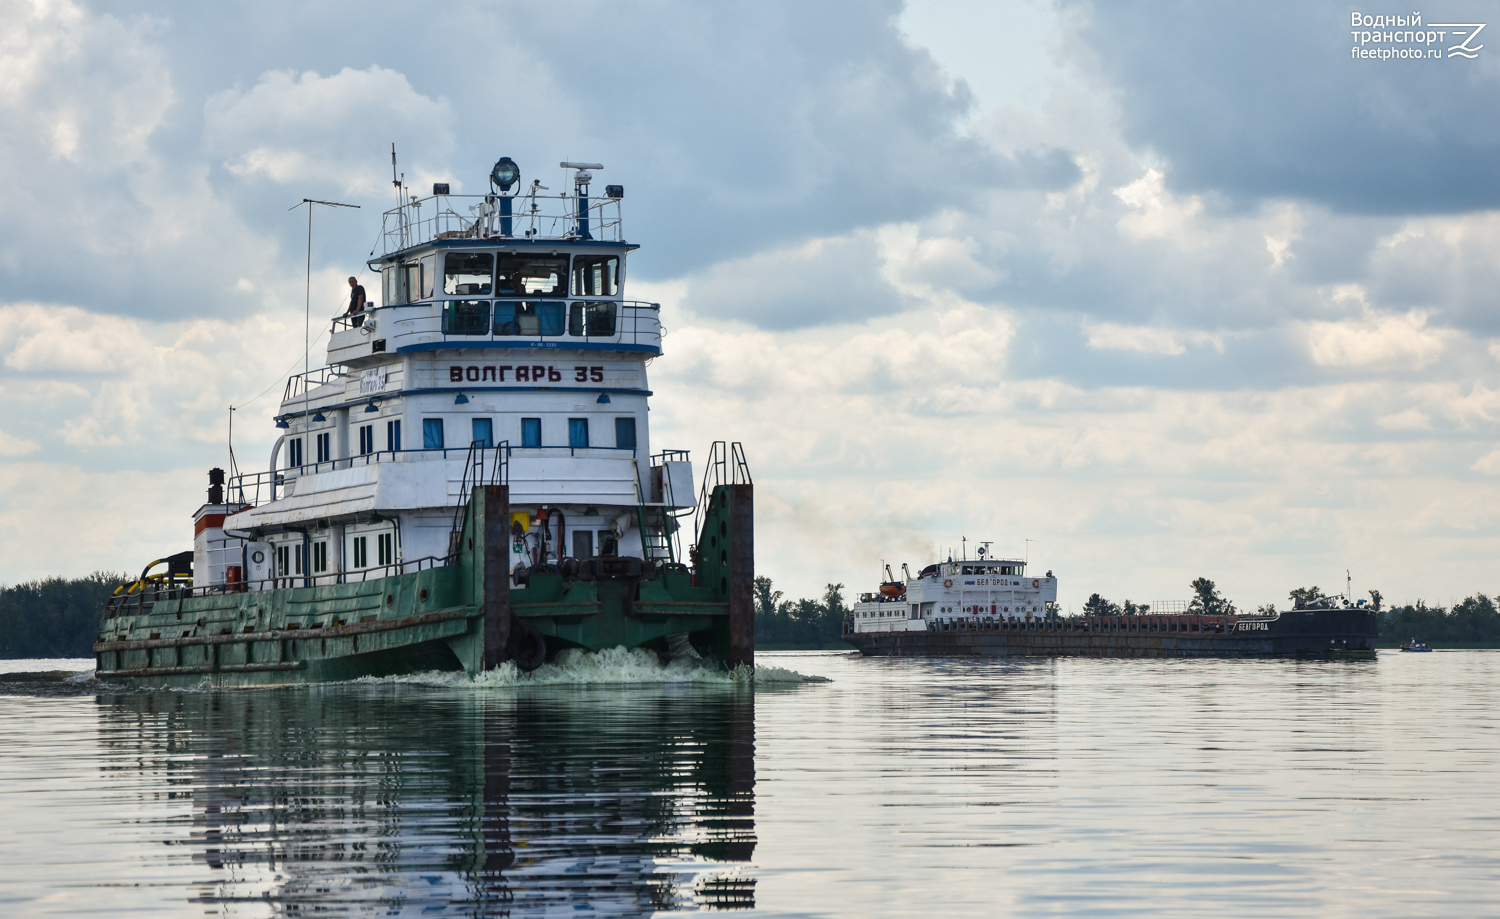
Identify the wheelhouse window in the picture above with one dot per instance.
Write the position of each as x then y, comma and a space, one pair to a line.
529, 317
592, 319
466, 317
468, 273
294, 453
366, 439
531, 432
532, 275
325, 446
393, 435
596, 275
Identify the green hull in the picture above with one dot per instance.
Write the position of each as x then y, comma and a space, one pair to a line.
465, 616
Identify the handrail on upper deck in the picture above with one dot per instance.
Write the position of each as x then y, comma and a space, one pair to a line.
534, 217
634, 318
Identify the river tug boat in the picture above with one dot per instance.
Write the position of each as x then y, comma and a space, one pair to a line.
468, 482
991, 607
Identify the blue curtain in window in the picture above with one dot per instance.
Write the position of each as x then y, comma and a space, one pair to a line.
483, 431
531, 432
625, 433
578, 432
432, 433
393, 435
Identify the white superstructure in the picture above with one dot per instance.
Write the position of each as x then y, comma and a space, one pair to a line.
985, 589
498, 320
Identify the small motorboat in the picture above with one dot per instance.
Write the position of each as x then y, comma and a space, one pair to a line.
1415, 645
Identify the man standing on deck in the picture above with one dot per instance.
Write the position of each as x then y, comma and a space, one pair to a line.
356, 302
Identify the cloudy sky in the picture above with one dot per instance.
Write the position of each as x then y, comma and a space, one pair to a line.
1168, 290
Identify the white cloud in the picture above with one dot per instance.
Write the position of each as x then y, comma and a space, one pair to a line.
1489, 464
1412, 419
1108, 336
307, 128
12, 446
1375, 342
1156, 213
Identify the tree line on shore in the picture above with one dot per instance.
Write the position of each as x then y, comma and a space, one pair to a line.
59, 617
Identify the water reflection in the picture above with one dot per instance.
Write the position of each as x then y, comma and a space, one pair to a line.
398, 799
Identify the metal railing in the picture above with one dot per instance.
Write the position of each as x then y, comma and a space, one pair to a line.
140, 602
726, 466
248, 487
473, 477
634, 322
299, 383
534, 216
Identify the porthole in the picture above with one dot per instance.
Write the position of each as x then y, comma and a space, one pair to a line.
257, 556
390, 599
724, 529
422, 595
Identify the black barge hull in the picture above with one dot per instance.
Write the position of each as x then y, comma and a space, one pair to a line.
1322, 633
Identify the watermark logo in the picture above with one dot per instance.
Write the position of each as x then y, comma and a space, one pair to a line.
1405, 38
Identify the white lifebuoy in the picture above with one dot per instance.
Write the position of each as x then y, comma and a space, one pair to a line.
1036, 582
947, 582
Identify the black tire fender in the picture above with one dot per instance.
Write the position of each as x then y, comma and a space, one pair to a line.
527, 647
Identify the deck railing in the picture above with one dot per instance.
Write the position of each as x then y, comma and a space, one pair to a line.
141, 601
251, 487
534, 216
576, 321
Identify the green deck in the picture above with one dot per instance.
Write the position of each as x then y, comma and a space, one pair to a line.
440, 618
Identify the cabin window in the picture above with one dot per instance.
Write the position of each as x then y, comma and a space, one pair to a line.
596, 275
625, 433
361, 552
532, 275
283, 561
320, 557
385, 548
529, 317
483, 431
531, 432
432, 433
325, 446
578, 432
416, 280
466, 317
393, 435
593, 319
583, 543
467, 274
366, 439
294, 453
391, 280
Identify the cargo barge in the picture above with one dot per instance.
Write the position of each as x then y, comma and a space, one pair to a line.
990, 607
468, 482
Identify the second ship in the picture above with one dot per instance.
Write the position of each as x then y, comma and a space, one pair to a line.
991, 607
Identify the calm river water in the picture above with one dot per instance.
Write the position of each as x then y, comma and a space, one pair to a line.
900, 788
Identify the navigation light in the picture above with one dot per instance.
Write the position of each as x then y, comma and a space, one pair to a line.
281, 422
